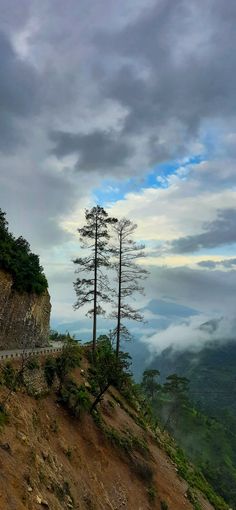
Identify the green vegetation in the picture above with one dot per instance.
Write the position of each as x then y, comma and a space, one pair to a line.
61, 366
17, 259
107, 370
92, 287
128, 277
203, 440
152, 493
75, 398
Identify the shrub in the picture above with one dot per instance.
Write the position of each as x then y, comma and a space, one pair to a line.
69, 358
151, 491
75, 398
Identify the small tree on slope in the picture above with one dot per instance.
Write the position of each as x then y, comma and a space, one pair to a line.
93, 286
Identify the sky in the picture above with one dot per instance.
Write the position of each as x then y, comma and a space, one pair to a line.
130, 105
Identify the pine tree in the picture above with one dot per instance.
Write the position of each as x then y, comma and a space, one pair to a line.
93, 286
128, 276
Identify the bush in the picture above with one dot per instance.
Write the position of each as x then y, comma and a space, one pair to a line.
69, 358
151, 491
75, 398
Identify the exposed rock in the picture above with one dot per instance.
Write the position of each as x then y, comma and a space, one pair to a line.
24, 317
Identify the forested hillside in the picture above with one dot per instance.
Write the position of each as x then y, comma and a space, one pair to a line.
203, 420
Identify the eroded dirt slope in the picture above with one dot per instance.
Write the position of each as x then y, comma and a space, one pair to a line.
51, 460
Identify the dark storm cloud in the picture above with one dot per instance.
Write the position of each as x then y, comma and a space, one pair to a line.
171, 67
19, 94
98, 150
178, 64
217, 233
210, 264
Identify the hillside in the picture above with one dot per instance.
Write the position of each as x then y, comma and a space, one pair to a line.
211, 373
108, 460
205, 424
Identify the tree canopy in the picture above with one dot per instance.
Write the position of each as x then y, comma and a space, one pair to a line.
17, 259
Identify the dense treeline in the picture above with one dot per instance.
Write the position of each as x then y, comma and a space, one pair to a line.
19, 261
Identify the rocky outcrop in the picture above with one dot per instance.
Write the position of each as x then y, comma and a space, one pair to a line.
24, 317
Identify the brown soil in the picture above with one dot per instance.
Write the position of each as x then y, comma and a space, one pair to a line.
50, 460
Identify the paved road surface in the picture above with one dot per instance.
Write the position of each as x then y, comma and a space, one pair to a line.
16, 353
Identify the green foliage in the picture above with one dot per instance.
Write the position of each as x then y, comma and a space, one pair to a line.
107, 370
17, 259
193, 476
192, 497
61, 366
149, 382
55, 336
152, 493
75, 398
69, 358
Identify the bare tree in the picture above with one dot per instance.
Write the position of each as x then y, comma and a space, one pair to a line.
129, 274
93, 286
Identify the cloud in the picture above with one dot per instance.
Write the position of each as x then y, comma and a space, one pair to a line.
217, 233
20, 95
209, 292
168, 83
97, 150
192, 335
211, 264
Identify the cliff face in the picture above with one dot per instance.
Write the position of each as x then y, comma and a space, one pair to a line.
24, 318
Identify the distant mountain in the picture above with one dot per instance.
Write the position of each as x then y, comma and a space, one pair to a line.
212, 375
169, 309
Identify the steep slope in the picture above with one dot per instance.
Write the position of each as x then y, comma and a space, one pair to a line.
211, 373
50, 460
206, 427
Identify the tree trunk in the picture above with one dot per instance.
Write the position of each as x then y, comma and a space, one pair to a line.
119, 301
95, 289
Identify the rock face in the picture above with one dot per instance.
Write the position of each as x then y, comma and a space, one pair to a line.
24, 318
